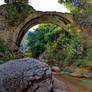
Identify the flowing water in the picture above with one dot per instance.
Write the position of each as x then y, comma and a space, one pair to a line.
76, 84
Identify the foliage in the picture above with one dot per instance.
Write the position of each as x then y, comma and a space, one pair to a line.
4, 51
63, 46
80, 62
17, 11
80, 9
35, 44
86, 57
36, 40
23, 1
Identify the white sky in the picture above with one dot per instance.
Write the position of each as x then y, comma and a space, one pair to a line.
1, 2
48, 5
32, 29
45, 5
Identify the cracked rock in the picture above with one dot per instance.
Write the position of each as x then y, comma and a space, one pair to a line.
25, 75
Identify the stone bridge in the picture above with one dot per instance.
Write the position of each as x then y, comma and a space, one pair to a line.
12, 35
38, 17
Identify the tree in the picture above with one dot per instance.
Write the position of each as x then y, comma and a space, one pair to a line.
37, 41
80, 9
62, 45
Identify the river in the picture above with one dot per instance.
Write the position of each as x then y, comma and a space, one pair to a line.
75, 84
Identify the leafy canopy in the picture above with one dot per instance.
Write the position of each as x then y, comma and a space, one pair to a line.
62, 45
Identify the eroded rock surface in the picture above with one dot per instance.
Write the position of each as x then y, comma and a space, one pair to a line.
59, 86
25, 75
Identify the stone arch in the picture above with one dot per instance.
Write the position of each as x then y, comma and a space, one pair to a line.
60, 19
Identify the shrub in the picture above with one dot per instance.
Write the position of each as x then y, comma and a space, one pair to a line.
2, 49
5, 52
17, 12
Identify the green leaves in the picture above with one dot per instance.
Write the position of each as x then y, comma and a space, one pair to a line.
90, 19
2, 49
63, 46
17, 11
12, 11
5, 52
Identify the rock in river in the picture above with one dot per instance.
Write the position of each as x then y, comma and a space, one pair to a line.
77, 74
25, 75
55, 69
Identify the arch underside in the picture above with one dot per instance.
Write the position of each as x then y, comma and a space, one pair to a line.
43, 17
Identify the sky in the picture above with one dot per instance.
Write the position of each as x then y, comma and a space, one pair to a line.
1, 2
45, 5
48, 5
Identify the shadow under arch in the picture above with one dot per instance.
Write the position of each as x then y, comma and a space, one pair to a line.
38, 17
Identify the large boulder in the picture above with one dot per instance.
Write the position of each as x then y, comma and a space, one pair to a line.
25, 75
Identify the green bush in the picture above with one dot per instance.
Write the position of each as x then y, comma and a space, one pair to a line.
80, 62
17, 11
63, 46
66, 48
82, 11
2, 49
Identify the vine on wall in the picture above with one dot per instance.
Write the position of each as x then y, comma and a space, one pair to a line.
17, 12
